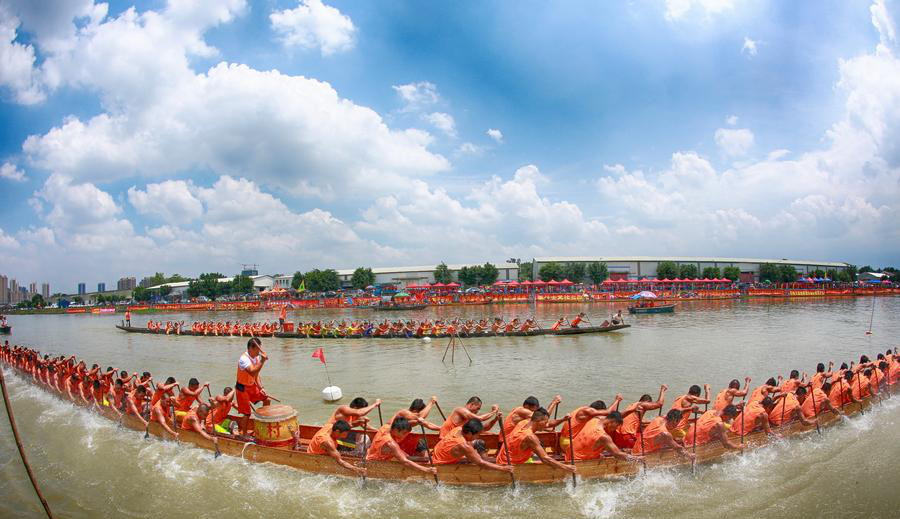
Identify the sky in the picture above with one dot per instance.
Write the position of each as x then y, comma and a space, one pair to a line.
190, 136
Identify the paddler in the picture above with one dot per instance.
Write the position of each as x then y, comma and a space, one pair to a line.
523, 412
578, 319
710, 426
657, 434
595, 439
754, 415
687, 404
195, 420
725, 397
386, 445
787, 407
461, 415
220, 406
416, 414
459, 446
282, 317
792, 383
248, 389
188, 395
625, 436
582, 415
324, 443
159, 412
815, 400
523, 443
355, 413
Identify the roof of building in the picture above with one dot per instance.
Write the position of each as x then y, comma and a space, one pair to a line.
424, 268
687, 259
182, 284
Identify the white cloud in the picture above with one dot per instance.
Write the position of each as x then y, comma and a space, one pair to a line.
467, 148
679, 9
9, 171
495, 134
734, 141
172, 200
418, 95
17, 71
313, 24
443, 122
732, 120
882, 21
7, 241
749, 47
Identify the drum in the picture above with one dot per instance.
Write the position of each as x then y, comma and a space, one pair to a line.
271, 424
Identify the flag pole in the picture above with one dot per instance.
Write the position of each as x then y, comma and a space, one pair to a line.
326, 374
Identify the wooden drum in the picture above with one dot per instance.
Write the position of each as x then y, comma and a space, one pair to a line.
271, 424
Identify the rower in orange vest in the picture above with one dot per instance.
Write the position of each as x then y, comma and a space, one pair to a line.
726, 397
657, 434
416, 414
792, 383
523, 412
582, 415
711, 426
819, 397
788, 407
752, 417
459, 445
195, 420
595, 439
386, 445
625, 436
523, 443
687, 403
461, 415
324, 443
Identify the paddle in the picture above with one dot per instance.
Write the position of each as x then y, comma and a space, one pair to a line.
506, 447
812, 391
380, 420
658, 399
365, 450
641, 433
428, 450
440, 411
694, 448
743, 410
859, 388
571, 450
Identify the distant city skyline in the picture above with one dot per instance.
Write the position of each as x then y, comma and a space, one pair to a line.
332, 134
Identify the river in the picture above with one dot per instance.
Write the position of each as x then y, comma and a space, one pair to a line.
89, 469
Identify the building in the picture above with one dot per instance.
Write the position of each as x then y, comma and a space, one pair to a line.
101, 287
14, 294
405, 276
636, 267
82, 289
873, 276
126, 283
260, 283
32, 288
4, 290
145, 282
45, 291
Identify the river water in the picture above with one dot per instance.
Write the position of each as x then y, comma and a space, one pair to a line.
88, 468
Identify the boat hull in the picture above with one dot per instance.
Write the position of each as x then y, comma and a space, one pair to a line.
663, 309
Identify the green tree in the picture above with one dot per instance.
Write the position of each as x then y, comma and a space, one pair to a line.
207, 285
843, 276
78, 300
241, 285
711, 272
442, 274
487, 274
866, 268
818, 273
468, 276
598, 272
787, 273
296, 280
852, 272
575, 272
688, 271
362, 277
322, 280
769, 272
140, 294
732, 273
37, 301
525, 271
550, 271
176, 278
667, 270
165, 290
832, 274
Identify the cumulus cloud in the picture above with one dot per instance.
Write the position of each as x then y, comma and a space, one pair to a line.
173, 201
734, 141
313, 24
17, 72
443, 122
882, 21
417, 95
467, 148
11, 172
749, 47
7, 241
732, 120
679, 9
495, 134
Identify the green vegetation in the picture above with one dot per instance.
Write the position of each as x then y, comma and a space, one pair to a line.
442, 274
574, 272
768, 272
688, 271
526, 271
787, 273
160, 278
296, 280
711, 272
597, 272
362, 277
322, 280
667, 270
478, 275
550, 271
732, 273
207, 285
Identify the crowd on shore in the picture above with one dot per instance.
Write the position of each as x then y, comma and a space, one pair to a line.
588, 431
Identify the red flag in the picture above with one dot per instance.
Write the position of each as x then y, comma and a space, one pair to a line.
319, 354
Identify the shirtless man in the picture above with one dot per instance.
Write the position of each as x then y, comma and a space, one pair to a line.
595, 439
458, 446
355, 413
189, 394
632, 418
657, 434
461, 415
386, 445
523, 443
195, 420
416, 414
161, 412
324, 443
711, 426
524, 411
726, 397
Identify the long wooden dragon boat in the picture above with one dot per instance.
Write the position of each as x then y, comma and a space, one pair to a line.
469, 474
300, 335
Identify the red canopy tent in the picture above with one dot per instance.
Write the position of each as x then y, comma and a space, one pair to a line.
512, 283
608, 281
566, 282
665, 280
453, 285
554, 282
539, 282
438, 285
526, 283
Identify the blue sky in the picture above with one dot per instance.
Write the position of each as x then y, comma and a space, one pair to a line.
189, 136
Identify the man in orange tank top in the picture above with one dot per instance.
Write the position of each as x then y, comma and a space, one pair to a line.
416, 414
764, 390
711, 426
461, 415
582, 415
160, 412
458, 447
386, 445
625, 436
657, 434
524, 411
219, 407
816, 395
787, 408
792, 383
523, 443
687, 404
726, 397
188, 395
195, 420
821, 374
355, 413
248, 389
595, 438
324, 443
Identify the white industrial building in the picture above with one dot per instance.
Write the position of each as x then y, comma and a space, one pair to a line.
404, 276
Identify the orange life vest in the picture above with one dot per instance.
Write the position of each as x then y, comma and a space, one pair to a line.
320, 439
790, 385
448, 426
751, 412
184, 402
700, 431
685, 413
245, 378
585, 444
188, 419
518, 453
722, 400
647, 440
577, 425
783, 409
382, 438
807, 407
508, 424
443, 451
630, 422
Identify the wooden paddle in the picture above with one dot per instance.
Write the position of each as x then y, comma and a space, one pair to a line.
641, 433
571, 450
694, 448
365, 450
658, 399
428, 450
380, 419
812, 394
440, 411
859, 388
506, 447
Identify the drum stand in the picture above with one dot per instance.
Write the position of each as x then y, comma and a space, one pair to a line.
451, 347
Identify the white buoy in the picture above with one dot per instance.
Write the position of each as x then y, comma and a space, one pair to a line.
426, 339
332, 393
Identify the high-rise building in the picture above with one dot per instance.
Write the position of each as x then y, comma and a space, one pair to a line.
32, 288
4, 290
146, 282
126, 284
82, 289
45, 290
14, 291
101, 287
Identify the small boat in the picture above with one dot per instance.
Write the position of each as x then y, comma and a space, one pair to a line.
301, 335
399, 307
295, 455
656, 309
5, 330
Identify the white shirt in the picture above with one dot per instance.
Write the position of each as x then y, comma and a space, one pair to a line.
246, 361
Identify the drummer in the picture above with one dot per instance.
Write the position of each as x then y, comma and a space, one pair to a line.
248, 390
